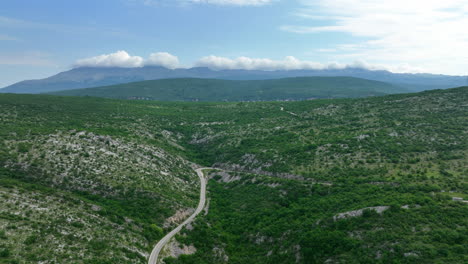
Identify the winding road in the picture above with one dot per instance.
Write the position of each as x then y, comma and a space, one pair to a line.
153, 259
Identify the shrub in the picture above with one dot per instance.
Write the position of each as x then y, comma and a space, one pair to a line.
30, 240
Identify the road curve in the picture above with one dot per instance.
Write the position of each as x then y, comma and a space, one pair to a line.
153, 259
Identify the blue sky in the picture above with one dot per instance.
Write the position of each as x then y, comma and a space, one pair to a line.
41, 38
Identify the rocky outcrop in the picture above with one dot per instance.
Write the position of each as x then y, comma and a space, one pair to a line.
356, 213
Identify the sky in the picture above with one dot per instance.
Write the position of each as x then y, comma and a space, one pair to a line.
41, 38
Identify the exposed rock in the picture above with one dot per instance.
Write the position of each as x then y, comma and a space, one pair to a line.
213, 123
102, 165
239, 168
356, 234
410, 254
272, 185
249, 159
355, 213
361, 137
220, 255
260, 240
207, 206
178, 217
459, 199
407, 206
203, 140
176, 249
226, 177
297, 250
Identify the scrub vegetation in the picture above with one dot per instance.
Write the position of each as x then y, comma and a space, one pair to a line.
370, 180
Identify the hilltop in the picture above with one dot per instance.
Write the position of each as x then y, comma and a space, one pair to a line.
86, 77
189, 89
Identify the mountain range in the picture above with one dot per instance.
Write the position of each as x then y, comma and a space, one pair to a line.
86, 77
215, 90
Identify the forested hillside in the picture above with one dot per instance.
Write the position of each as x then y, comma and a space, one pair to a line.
213, 90
369, 180
87, 77
346, 181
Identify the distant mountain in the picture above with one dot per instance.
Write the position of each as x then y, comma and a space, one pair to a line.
191, 89
87, 77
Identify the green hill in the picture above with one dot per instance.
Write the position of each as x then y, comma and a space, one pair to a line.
366, 180
189, 89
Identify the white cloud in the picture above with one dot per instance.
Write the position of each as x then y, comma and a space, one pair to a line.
246, 63
124, 60
163, 59
290, 63
429, 33
118, 59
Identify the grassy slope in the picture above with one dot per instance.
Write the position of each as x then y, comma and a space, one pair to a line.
224, 90
342, 154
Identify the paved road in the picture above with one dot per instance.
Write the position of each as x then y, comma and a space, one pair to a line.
155, 253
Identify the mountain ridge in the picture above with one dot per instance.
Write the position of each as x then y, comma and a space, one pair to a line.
87, 77
195, 89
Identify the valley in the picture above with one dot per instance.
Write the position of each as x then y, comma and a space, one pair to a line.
100, 178
233, 132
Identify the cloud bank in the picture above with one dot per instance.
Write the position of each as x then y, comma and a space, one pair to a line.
122, 59
291, 63
246, 63
163, 59
118, 59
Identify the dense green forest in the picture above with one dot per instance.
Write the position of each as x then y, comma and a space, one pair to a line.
214, 90
368, 180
